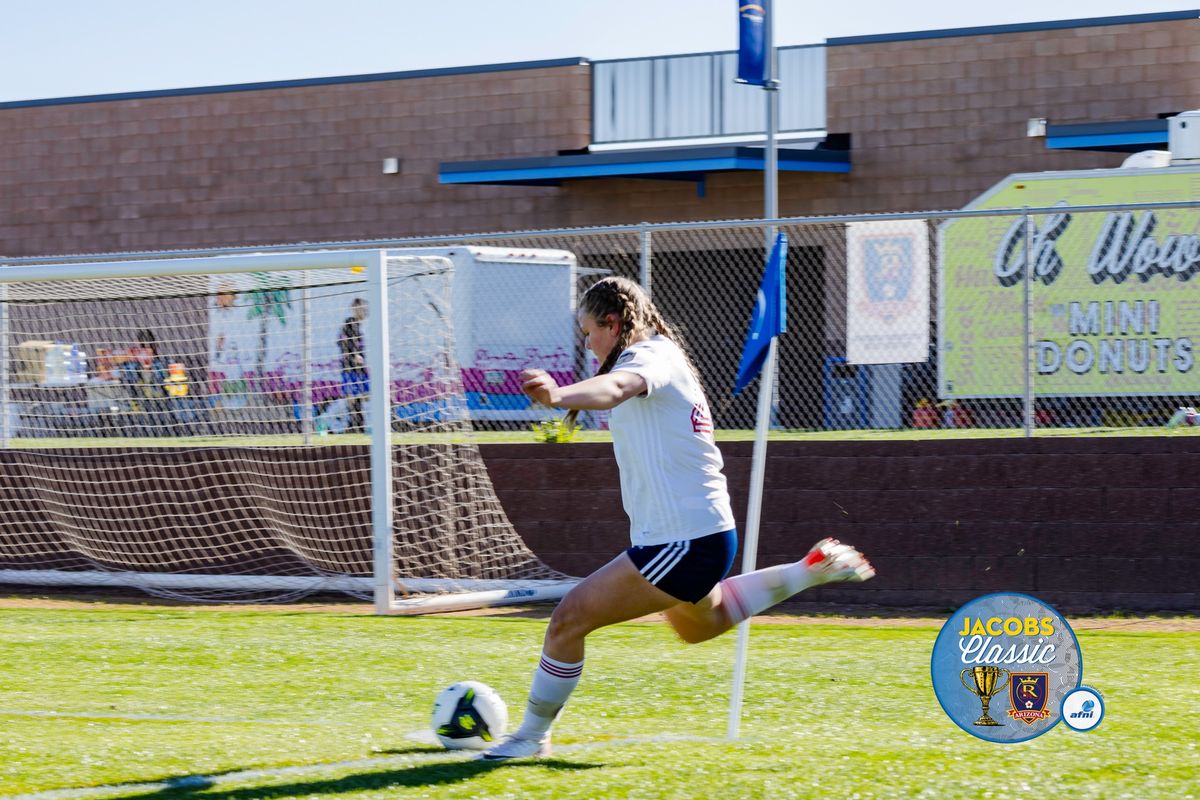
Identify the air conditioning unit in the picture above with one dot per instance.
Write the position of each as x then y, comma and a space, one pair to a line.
1147, 159
1183, 138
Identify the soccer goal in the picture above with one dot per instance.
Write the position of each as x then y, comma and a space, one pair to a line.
251, 428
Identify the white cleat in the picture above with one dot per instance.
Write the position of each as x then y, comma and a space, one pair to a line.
830, 560
514, 746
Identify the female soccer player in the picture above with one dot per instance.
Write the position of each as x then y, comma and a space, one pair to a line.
674, 492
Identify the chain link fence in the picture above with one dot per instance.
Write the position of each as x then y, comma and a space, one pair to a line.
1076, 320
934, 322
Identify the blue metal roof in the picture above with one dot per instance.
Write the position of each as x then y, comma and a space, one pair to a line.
681, 163
1123, 137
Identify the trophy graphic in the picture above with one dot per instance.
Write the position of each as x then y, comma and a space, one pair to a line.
985, 687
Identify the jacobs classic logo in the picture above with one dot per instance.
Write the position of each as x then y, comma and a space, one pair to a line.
1002, 665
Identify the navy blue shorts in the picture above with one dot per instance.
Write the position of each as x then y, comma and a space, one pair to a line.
686, 570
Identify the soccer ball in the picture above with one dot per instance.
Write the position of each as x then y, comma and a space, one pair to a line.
469, 715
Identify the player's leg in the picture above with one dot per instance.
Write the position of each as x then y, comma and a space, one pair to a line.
354, 389
700, 621
694, 579
616, 592
642, 580
743, 596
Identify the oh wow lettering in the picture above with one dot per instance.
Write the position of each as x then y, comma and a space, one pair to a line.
1124, 247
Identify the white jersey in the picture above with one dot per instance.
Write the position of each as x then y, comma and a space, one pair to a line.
672, 486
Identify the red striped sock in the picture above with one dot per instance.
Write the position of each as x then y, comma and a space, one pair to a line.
753, 593
553, 682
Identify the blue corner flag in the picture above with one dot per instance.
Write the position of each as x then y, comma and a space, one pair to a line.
770, 315
752, 42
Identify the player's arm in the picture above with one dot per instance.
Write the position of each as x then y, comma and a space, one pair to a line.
594, 394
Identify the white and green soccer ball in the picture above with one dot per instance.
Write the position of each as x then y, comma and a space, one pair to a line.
469, 715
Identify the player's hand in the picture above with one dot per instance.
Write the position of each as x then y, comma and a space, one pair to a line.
538, 384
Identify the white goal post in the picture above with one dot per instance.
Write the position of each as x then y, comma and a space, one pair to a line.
259, 427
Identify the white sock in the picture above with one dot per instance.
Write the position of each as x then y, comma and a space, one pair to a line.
553, 682
746, 595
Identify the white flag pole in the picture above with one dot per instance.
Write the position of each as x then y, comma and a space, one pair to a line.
758, 468
766, 389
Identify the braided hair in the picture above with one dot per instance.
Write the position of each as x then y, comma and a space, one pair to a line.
630, 304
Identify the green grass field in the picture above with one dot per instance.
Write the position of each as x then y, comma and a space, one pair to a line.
160, 702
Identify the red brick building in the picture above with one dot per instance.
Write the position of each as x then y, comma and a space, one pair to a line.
920, 120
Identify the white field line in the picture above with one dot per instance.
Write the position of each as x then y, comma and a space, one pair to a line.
195, 782
17, 712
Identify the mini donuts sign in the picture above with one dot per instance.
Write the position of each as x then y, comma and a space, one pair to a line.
1112, 308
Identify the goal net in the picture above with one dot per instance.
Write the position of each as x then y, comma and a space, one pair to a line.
215, 430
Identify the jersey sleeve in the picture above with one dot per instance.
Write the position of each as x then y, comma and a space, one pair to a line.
647, 361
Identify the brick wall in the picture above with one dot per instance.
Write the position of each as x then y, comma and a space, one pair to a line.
934, 118
934, 123
281, 165
1083, 523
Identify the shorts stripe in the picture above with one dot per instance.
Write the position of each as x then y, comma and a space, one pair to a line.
659, 557
686, 569
655, 573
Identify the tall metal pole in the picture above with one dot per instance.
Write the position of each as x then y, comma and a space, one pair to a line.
6, 407
1027, 413
771, 185
771, 160
379, 418
766, 388
306, 388
644, 258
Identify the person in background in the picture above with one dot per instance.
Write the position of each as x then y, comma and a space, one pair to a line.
233, 341
145, 377
355, 385
674, 491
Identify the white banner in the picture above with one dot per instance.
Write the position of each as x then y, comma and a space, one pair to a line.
887, 292
256, 337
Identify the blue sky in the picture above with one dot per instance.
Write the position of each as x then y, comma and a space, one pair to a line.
62, 48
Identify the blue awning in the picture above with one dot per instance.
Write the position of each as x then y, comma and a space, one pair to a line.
679, 163
1121, 137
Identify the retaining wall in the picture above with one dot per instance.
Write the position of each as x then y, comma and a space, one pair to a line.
1082, 523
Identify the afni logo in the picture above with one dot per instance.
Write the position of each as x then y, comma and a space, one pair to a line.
1087, 712
1083, 709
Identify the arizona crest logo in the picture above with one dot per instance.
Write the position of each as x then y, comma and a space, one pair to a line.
1027, 691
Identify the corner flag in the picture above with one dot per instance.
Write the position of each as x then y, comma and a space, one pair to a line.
770, 315
753, 67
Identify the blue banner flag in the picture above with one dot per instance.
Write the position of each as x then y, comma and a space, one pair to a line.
753, 67
770, 315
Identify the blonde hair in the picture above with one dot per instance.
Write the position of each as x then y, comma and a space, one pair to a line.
637, 314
